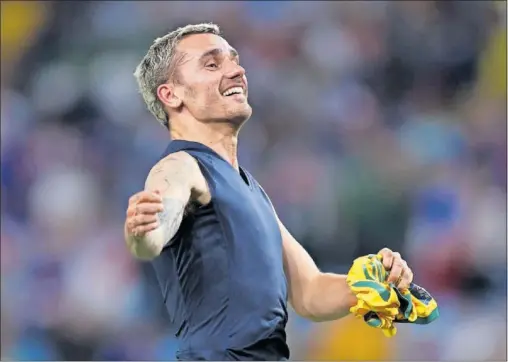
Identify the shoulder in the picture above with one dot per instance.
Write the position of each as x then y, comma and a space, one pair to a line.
178, 165
180, 160
180, 170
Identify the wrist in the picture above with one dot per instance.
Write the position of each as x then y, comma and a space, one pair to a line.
350, 299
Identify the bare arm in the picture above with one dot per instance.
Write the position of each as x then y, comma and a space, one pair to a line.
314, 295
326, 296
176, 179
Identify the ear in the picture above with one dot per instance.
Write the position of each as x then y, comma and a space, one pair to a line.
167, 95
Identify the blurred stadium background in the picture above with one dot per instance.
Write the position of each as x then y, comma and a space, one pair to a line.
375, 124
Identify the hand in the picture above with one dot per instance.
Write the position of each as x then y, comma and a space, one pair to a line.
400, 274
142, 213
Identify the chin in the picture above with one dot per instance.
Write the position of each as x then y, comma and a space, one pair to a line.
240, 116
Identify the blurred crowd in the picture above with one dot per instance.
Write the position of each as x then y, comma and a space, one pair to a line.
375, 124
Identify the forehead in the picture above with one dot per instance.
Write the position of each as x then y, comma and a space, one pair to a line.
196, 44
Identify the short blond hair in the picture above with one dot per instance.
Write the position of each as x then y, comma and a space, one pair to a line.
155, 66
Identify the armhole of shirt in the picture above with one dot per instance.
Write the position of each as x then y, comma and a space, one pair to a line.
265, 195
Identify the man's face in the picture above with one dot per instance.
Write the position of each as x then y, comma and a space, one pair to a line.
211, 83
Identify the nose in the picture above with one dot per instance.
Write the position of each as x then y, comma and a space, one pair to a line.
235, 71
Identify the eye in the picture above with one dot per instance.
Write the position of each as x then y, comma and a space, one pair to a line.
212, 65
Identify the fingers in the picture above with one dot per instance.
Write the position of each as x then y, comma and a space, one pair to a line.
387, 255
407, 278
141, 219
143, 229
145, 208
144, 202
145, 196
396, 270
139, 223
142, 212
152, 208
400, 274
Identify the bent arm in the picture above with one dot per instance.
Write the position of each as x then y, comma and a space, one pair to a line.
173, 178
314, 295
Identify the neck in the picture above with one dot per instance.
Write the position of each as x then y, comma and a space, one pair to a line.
220, 137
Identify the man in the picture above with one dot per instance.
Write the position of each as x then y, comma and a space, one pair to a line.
225, 263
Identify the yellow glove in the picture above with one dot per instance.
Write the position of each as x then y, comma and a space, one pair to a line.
381, 304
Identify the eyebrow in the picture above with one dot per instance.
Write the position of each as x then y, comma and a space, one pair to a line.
217, 51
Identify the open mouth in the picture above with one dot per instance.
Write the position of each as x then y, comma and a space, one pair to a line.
233, 91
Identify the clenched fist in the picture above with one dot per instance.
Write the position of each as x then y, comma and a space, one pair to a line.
400, 273
142, 213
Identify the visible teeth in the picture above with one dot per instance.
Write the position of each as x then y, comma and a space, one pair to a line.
234, 90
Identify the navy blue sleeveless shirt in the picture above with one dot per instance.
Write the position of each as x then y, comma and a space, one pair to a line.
222, 275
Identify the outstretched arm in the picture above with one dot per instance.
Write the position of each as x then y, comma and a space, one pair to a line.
168, 189
326, 296
314, 295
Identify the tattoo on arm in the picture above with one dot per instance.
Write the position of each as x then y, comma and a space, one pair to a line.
171, 217
173, 179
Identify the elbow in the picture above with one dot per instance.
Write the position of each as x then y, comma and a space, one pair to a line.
308, 306
300, 310
312, 317
312, 313
308, 313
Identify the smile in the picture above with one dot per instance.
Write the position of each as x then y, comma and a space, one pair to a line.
234, 90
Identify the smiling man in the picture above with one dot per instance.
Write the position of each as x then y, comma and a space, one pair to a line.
225, 263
